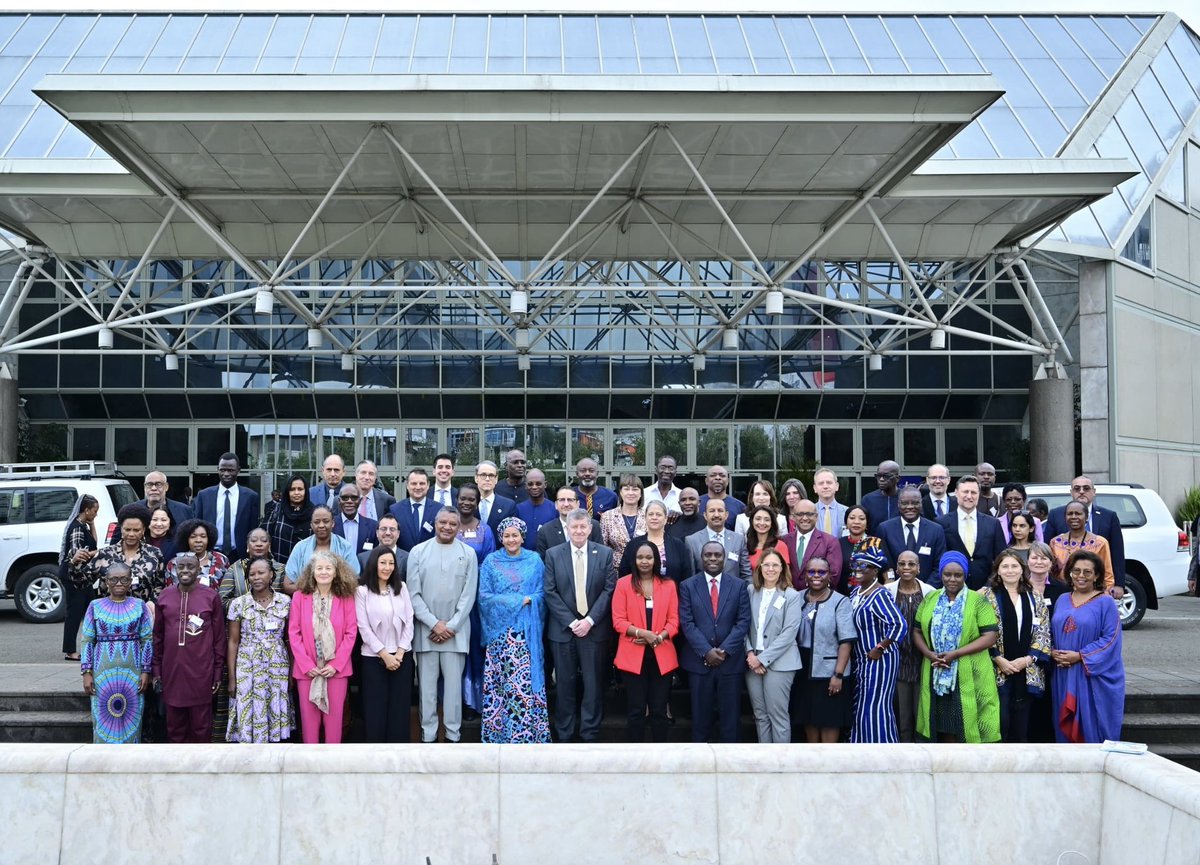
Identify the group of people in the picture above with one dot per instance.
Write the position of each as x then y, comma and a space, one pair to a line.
931, 616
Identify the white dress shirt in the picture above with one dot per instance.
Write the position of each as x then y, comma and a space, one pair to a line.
234, 492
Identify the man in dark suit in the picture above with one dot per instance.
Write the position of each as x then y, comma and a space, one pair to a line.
909, 532
882, 504
737, 562
387, 533
714, 618
442, 491
972, 532
553, 533
580, 579
349, 524
492, 507
155, 488
372, 501
231, 507
809, 542
938, 502
325, 493
1100, 521
417, 514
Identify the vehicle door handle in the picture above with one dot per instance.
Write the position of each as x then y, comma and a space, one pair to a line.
10, 537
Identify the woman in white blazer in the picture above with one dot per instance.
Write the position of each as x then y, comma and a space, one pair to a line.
772, 657
385, 621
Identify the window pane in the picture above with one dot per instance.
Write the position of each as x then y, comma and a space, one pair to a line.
920, 448
878, 445
88, 443
670, 442
770, 57
843, 53
420, 446
546, 449
469, 45
210, 444
629, 447
837, 446
129, 446
654, 45
432, 47
874, 41
755, 448
247, 44
691, 45
587, 442
729, 45
616, 45
712, 447
580, 48
962, 449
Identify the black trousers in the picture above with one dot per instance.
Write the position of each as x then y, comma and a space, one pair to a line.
717, 694
647, 688
78, 599
387, 700
1015, 705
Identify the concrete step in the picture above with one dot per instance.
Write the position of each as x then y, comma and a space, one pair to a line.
1184, 755
46, 727
1162, 729
46, 701
1163, 702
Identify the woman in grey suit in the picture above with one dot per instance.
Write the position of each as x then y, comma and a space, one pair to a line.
771, 652
823, 702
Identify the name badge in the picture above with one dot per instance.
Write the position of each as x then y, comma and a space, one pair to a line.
733, 557
273, 624
368, 545
204, 581
195, 621
779, 604
925, 551
812, 615
469, 533
425, 525
649, 603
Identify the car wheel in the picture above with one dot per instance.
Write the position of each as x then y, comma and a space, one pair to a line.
40, 596
1133, 605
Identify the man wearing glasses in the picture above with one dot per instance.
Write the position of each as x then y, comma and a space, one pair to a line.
554, 532
359, 531
492, 507
808, 543
155, 487
1101, 521
881, 504
938, 502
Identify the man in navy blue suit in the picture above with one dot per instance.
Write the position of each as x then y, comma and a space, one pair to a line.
349, 524
714, 618
415, 514
492, 507
882, 504
231, 507
1101, 521
972, 532
909, 532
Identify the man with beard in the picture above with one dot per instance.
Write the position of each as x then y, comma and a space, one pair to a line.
514, 485
537, 510
881, 504
691, 519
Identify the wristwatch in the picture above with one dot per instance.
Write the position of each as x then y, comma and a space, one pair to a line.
839, 675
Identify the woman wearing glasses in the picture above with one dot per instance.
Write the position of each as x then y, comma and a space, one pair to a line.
822, 693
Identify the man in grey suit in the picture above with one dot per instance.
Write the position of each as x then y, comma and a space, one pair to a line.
737, 563
579, 586
443, 577
387, 533
373, 502
553, 533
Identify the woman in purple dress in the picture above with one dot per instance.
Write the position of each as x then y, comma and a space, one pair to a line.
1089, 677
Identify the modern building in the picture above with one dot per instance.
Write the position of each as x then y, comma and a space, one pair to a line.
760, 239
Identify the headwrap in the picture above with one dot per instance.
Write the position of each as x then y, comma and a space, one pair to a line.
869, 556
512, 523
954, 557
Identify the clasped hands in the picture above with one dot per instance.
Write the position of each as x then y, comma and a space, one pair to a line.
441, 633
646, 638
756, 666
715, 657
1065, 657
941, 660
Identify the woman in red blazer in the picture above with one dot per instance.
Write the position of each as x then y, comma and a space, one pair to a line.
322, 627
645, 614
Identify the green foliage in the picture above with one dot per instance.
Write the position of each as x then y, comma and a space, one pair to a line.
1189, 508
43, 443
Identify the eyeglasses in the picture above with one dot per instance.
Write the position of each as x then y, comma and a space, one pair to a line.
815, 573
1079, 572
937, 477
155, 483
348, 498
1082, 488
486, 474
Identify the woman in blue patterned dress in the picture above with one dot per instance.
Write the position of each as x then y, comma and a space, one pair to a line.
880, 628
259, 668
511, 610
116, 650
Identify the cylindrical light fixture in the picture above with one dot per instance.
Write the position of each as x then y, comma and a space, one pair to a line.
171, 361
522, 337
518, 301
523, 362
104, 336
937, 338
699, 362
875, 361
729, 338
315, 338
775, 302
264, 302
347, 362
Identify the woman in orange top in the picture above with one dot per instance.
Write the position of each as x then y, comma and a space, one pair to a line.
1076, 538
645, 615
763, 535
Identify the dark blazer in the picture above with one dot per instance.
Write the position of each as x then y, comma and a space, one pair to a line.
383, 502
735, 545
366, 533
318, 494
822, 546
502, 508
927, 511
401, 562
1106, 524
679, 558
930, 536
433, 491
702, 631
246, 518
879, 508
178, 510
551, 534
410, 536
560, 592
989, 542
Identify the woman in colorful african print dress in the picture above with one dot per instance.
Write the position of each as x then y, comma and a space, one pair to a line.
116, 651
880, 630
259, 709
511, 610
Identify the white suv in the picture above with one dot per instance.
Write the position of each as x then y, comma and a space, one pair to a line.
35, 503
1156, 550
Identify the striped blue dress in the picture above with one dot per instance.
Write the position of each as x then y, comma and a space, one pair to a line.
877, 618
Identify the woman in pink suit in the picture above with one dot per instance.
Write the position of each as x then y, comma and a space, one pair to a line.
321, 630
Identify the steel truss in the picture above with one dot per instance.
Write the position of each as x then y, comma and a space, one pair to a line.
681, 306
